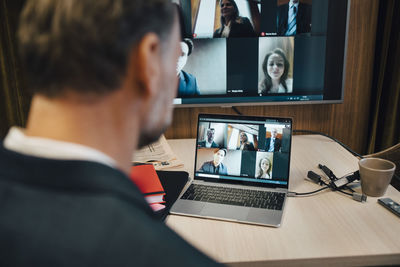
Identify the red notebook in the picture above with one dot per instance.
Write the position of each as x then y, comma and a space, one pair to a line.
146, 179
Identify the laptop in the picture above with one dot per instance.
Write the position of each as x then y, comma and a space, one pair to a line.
241, 170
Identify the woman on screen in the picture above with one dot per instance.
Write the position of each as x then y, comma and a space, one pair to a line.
275, 68
245, 144
233, 25
264, 169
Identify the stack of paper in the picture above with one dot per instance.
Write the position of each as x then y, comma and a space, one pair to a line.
159, 154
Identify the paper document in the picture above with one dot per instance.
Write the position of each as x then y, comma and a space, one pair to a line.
159, 154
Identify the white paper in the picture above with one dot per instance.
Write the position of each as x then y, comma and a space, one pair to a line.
159, 154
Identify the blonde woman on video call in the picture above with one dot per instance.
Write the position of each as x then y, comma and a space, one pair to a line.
264, 169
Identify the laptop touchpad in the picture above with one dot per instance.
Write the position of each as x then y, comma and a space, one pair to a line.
224, 211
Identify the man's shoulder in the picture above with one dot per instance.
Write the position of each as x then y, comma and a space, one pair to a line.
284, 7
244, 20
187, 76
207, 163
106, 227
116, 233
305, 5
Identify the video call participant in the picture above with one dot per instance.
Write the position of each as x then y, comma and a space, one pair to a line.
209, 142
244, 142
187, 82
275, 67
99, 92
233, 25
264, 169
216, 166
293, 18
273, 144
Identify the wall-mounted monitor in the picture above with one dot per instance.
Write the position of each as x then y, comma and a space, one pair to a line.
262, 52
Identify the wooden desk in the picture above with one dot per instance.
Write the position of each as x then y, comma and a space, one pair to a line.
327, 228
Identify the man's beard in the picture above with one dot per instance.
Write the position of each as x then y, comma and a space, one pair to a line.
146, 138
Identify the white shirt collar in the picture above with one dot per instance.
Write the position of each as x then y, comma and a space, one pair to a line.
293, 4
17, 141
208, 144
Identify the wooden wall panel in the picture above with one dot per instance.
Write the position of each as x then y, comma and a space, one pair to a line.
348, 121
195, 4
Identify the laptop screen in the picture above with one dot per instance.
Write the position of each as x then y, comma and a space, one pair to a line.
243, 149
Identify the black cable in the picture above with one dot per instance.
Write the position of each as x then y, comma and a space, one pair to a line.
333, 177
236, 110
326, 186
346, 193
334, 139
348, 188
295, 194
308, 193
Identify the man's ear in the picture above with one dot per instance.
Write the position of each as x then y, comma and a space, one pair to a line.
145, 61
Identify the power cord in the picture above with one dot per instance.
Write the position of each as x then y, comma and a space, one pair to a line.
236, 110
334, 139
295, 194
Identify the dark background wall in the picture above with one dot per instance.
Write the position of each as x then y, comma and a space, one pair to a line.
348, 122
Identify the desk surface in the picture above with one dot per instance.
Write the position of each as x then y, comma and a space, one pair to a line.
327, 228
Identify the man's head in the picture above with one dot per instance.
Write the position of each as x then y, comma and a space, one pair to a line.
274, 132
219, 155
210, 134
187, 48
94, 48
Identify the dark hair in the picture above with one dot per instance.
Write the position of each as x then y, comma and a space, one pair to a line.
260, 171
247, 138
218, 149
235, 13
84, 45
267, 83
190, 45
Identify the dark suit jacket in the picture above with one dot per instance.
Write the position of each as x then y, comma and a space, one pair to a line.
303, 19
244, 29
80, 213
277, 144
187, 85
209, 167
203, 144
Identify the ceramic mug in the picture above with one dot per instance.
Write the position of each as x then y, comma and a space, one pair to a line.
375, 175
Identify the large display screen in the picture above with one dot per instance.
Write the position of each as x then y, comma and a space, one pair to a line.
246, 52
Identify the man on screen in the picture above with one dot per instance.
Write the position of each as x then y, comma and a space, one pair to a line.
103, 75
209, 142
293, 18
216, 166
273, 144
187, 82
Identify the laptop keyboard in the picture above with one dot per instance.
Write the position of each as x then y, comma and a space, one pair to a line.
235, 196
